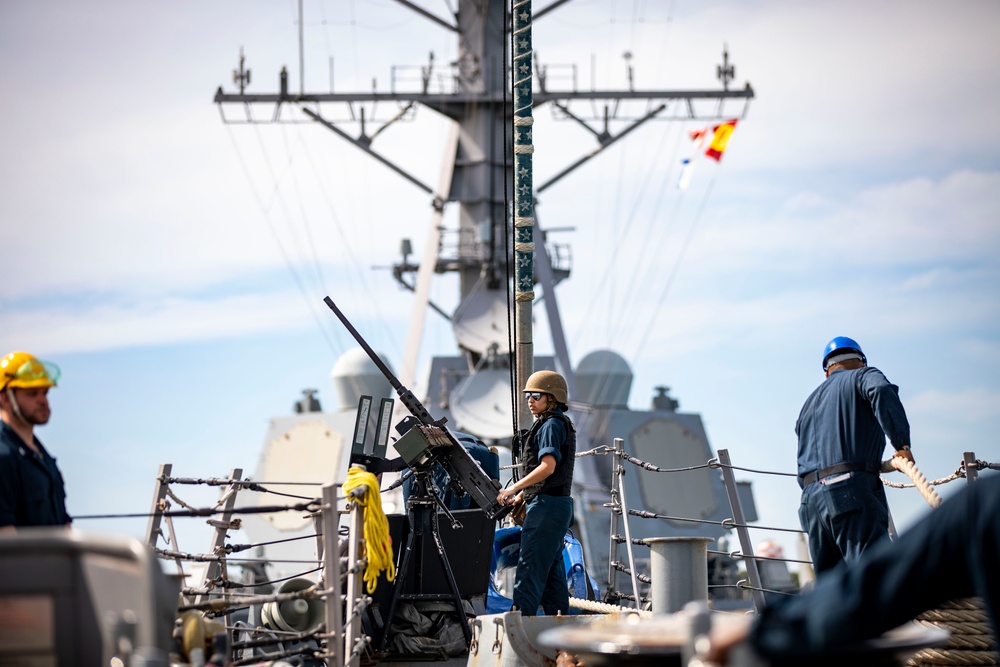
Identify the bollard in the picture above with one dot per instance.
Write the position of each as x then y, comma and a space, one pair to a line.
679, 571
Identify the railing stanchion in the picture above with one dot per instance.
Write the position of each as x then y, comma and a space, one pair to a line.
738, 518
331, 574
971, 467
620, 473
156, 513
612, 587
216, 568
355, 578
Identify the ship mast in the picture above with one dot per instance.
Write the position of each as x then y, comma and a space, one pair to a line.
476, 177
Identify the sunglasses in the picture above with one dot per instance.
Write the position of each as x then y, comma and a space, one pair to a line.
536, 395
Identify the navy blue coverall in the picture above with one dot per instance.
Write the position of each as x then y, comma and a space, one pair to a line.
541, 575
951, 553
32, 492
845, 421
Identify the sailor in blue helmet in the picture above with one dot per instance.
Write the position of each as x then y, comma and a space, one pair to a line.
549, 454
842, 430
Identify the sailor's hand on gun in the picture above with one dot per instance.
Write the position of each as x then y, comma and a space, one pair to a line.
508, 496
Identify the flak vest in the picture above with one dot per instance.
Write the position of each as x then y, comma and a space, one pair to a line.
560, 482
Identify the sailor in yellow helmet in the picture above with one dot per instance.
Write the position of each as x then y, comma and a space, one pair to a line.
32, 492
549, 454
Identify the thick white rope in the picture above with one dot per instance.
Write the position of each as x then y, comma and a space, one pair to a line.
604, 608
909, 469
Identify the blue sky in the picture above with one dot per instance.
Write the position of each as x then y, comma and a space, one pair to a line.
174, 266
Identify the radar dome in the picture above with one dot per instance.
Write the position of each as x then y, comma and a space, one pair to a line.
603, 378
356, 375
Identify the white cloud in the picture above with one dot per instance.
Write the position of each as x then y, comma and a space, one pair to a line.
974, 403
835, 84
115, 325
897, 224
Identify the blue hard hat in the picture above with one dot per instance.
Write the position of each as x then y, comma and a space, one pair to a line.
842, 345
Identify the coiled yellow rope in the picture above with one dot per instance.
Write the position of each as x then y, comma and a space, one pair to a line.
378, 543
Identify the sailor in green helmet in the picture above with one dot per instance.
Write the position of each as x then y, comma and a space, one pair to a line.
549, 454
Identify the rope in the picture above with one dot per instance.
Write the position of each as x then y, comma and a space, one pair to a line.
935, 656
378, 544
909, 469
605, 608
958, 474
971, 641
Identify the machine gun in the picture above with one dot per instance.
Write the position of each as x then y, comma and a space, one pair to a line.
425, 440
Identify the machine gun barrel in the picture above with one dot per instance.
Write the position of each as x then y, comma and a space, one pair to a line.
406, 396
453, 457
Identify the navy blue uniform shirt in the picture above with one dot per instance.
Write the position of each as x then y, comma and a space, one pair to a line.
847, 418
32, 492
551, 436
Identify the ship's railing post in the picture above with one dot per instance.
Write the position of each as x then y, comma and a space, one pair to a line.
156, 512
317, 522
615, 506
154, 528
355, 578
331, 574
620, 475
971, 467
222, 525
753, 573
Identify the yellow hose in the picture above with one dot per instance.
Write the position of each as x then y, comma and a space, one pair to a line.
378, 543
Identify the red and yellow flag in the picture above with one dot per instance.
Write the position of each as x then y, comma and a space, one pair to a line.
698, 135
720, 139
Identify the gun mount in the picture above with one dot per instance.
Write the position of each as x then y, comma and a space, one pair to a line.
426, 440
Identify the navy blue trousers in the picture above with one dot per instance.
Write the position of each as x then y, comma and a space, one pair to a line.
541, 575
844, 518
953, 552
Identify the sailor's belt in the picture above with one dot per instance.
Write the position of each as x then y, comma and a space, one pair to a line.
816, 475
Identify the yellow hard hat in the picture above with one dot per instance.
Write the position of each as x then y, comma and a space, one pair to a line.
548, 382
22, 370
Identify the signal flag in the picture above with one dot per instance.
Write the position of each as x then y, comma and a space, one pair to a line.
685, 178
720, 139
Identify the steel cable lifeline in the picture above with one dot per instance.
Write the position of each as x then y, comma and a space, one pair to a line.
362, 488
311, 506
919, 481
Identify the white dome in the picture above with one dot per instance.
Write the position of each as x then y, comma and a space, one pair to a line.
355, 375
603, 377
